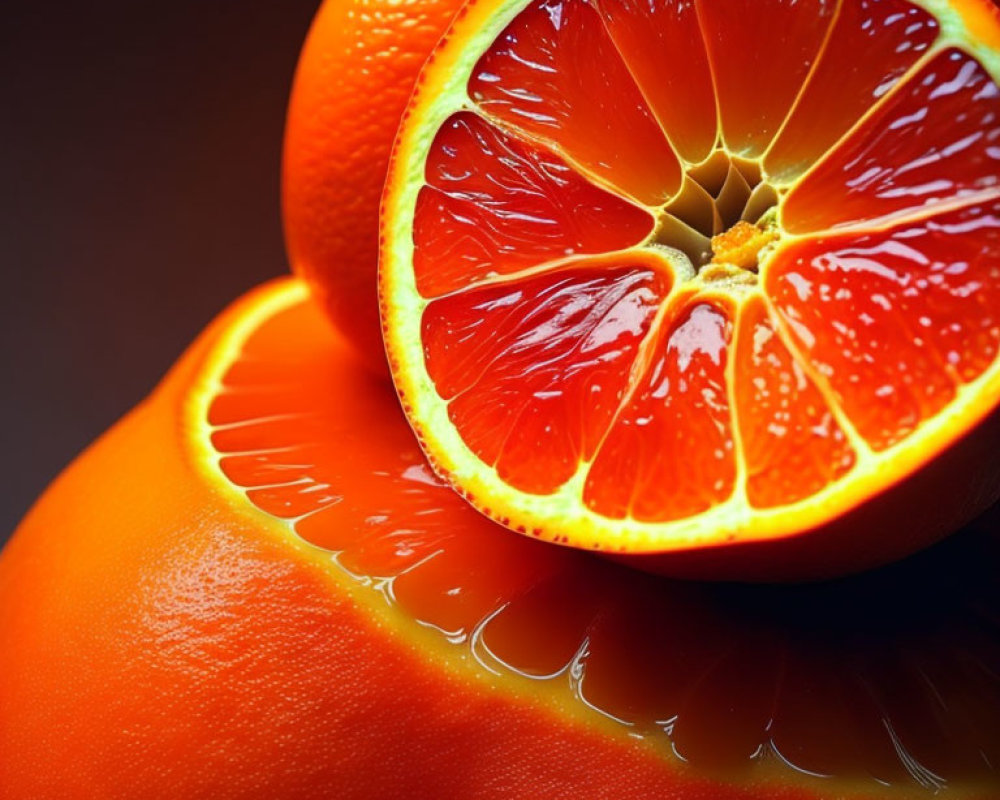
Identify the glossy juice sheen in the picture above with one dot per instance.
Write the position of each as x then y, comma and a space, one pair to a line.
603, 140
886, 682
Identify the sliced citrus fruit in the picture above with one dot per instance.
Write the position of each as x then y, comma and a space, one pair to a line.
687, 281
254, 586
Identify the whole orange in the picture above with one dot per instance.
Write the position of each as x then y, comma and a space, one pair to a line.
354, 77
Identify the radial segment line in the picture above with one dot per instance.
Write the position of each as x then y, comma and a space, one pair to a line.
595, 317
513, 311
889, 222
685, 164
932, 52
592, 261
862, 451
814, 67
739, 494
711, 73
524, 137
679, 293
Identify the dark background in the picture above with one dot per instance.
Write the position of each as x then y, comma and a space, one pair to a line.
139, 193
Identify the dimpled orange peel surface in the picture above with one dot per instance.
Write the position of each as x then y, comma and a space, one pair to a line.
354, 76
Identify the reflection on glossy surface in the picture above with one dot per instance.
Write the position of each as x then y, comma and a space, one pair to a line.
533, 372
669, 453
761, 52
896, 321
792, 444
555, 74
871, 46
933, 141
890, 678
495, 205
662, 45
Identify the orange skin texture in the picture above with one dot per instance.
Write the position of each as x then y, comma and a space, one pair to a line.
355, 75
160, 636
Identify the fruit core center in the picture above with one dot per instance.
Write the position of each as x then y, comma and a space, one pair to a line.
740, 246
723, 216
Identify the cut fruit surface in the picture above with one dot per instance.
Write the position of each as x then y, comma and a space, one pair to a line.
652, 300
262, 542
765, 686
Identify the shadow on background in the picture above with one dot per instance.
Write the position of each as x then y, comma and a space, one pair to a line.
140, 152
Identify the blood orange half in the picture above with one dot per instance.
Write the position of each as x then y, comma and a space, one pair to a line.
874, 685
688, 281
254, 586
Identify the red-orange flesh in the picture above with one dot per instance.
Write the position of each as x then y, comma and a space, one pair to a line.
872, 681
558, 348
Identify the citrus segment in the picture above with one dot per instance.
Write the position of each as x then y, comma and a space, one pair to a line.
934, 139
792, 445
542, 631
718, 675
716, 697
555, 73
669, 452
897, 321
747, 408
662, 46
871, 46
541, 364
496, 205
761, 53
397, 622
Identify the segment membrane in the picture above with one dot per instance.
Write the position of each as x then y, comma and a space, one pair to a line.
495, 205
895, 320
872, 44
686, 665
756, 682
661, 43
761, 52
555, 74
792, 445
935, 139
534, 370
541, 630
312, 437
456, 588
669, 454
